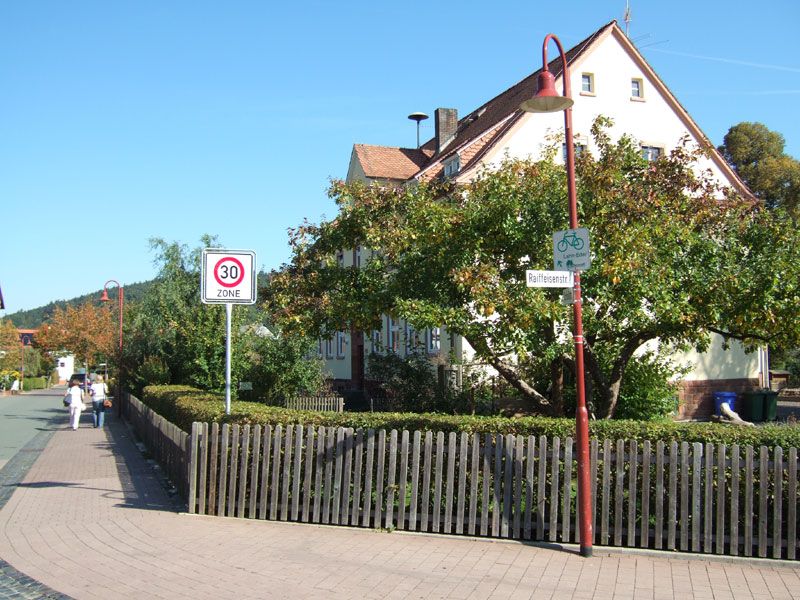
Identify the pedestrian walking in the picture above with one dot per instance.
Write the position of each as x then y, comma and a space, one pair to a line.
76, 404
99, 392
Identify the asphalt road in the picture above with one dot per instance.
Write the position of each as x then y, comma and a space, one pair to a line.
24, 415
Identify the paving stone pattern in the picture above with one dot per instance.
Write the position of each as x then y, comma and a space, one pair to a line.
92, 520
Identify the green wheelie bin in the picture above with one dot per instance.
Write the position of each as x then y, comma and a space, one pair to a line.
752, 407
770, 405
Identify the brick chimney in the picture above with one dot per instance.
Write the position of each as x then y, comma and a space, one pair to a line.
446, 121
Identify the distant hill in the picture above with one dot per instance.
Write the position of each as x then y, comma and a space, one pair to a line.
33, 318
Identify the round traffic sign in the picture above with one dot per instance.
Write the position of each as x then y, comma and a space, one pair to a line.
229, 275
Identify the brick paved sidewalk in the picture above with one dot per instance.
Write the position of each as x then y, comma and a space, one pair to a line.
92, 521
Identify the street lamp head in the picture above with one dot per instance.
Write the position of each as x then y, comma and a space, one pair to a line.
547, 99
104, 297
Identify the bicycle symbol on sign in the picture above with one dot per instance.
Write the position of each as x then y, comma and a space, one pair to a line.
570, 239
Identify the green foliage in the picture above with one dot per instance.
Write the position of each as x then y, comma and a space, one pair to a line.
183, 405
675, 258
757, 155
279, 366
35, 383
153, 371
649, 390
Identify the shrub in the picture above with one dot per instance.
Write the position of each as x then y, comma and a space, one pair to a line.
649, 389
183, 405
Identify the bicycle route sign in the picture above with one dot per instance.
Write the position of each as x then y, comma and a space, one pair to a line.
229, 276
571, 250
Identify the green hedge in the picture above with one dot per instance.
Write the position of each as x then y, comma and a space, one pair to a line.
35, 383
183, 405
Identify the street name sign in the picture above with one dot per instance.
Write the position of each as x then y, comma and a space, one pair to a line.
551, 279
229, 276
571, 250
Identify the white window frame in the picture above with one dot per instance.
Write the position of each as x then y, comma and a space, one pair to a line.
392, 336
587, 78
639, 82
452, 166
341, 340
329, 348
433, 340
377, 344
649, 149
412, 340
581, 147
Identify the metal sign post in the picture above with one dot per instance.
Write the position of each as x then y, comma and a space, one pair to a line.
228, 277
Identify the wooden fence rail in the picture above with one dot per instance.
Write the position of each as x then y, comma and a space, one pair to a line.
682, 497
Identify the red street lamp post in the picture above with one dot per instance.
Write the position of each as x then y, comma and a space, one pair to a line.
547, 99
22, 345
105, 298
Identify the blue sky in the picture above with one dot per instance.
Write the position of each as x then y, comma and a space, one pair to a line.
121, 121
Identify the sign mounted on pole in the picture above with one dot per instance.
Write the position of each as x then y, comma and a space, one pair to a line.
571, 250
551, 279
229, 276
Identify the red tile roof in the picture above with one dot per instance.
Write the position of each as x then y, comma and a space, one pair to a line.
384, 162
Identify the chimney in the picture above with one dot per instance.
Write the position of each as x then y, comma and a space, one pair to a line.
446, 121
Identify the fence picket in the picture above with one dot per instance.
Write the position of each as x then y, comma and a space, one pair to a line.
658, 533
721, 469
365, 519
390, 484
777, 505
606, 492
308, 473
287, 473
243, 458
223, 469
462, 483
193, 469
473, 496
554, 473
529, 505
763, 484
426, 481
378, 518
327, 493
633, 478
748, 501
697, 457
620, 493
567, 492
254, 466
403, 482
451, 476
791, 517
518, 477
437, 483
296, 472
336, 490
346, 476
413, 523
644, 534
541, 487
673, 495
508, 471
276, 472
265, 465
733, 549
357, 471
684, 512
593, 447
319, 473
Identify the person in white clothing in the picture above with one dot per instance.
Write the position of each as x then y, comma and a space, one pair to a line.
99, 391
76, 404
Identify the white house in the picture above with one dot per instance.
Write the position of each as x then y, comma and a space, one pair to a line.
609, 77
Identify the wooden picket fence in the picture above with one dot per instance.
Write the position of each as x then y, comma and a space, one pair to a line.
680, 497
167, 443
320, 403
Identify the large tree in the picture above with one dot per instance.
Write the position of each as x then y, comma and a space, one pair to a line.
87, 331
757, 154
674, 258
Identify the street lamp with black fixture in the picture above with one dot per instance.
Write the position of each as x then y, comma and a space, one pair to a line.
547, 99
105, 298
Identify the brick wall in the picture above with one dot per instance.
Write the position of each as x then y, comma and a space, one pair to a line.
697, 397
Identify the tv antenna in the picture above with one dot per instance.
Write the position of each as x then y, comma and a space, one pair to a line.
417, 116
627, 18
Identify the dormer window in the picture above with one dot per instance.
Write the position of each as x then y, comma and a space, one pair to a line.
652, 153
452, 166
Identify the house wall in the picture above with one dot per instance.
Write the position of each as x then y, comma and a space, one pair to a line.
652, 120
65, 368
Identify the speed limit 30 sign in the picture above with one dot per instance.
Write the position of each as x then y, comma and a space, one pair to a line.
229, 276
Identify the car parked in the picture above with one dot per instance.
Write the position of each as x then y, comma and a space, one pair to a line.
81, 380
